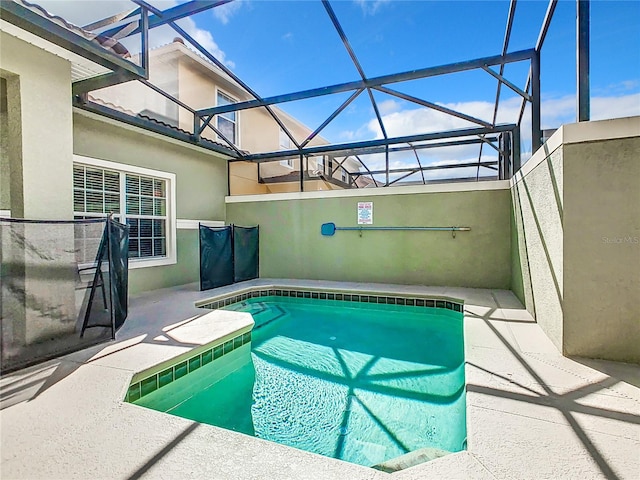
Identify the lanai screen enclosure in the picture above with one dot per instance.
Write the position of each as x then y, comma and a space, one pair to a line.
388, 159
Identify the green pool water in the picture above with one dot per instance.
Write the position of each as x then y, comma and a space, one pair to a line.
359, 382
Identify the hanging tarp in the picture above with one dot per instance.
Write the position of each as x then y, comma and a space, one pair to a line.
216, 257
110, 280
245, 253
119, 270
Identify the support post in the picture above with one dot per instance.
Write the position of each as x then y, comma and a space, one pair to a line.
582, 60
144, 26
386, 163
536, 132
301, 174
197, 122
515, 149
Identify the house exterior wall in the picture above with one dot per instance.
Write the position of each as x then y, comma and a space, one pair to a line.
291, 245
5, 199
37, 162
192, 80
602, 249
201, 185
576, 245
39, 130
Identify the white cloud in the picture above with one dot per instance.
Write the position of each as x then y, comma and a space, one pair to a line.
287, 36
228, 10
388, 106
615, 107
204, 38
554, 111
84, 12
371, 7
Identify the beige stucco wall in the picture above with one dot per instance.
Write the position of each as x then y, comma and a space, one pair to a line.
602, 249
537, 202
576, 239
36, 172
40, 130
201, 185
5, 199
291, 245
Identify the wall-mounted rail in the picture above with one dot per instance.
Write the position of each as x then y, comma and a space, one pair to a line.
329, 229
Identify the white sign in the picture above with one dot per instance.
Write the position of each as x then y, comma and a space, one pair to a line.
365, 213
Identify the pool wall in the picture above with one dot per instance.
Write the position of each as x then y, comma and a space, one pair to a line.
291, 245
151, 380
223, 300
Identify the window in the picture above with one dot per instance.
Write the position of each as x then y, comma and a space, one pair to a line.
139, 197
285, 141
320, 164
285, 144
344, 175
227, 122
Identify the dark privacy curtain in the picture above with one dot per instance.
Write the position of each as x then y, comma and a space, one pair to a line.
216, 257
245, 247
119, 270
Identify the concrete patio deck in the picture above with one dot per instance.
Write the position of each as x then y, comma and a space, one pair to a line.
531, 413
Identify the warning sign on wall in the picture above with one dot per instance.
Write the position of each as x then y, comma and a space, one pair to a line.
365, 213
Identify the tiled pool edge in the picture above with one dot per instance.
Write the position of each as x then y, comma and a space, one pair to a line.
183, 366
226, 299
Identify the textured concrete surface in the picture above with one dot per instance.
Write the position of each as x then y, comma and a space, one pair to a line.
532, 413
576, 238
291, 244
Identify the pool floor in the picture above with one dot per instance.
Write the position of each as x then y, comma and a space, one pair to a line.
362, 383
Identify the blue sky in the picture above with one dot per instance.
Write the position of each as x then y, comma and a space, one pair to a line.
295, 43
280, 47
285, 46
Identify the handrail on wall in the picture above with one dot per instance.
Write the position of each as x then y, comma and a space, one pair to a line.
329, 229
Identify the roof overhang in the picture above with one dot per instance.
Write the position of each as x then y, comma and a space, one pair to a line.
88, 58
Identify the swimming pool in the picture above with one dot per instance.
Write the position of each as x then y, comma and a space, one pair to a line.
365, 383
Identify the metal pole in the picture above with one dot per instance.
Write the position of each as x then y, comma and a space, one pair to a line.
582, 60
144, 25
536, 133
110, 263
427, 229
301, 174
515, 142
386, 162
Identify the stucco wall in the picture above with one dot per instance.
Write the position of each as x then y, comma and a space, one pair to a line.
602, 249
39, 126
576, 239
5, 199
538, 275
291, 245
201, 185
37, 162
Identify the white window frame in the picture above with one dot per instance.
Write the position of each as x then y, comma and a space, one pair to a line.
237, 112
171, 258
289, 163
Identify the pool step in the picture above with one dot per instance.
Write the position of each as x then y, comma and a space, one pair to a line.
411, 459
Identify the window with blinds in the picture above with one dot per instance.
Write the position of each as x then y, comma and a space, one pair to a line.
137, 200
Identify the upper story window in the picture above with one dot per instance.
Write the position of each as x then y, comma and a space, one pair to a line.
227, 123
285, 144
139, 197
285, 141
